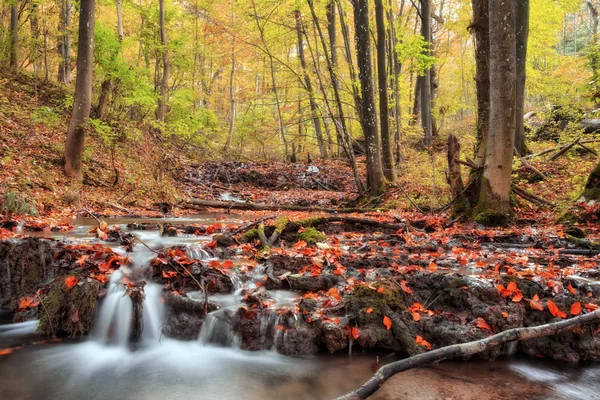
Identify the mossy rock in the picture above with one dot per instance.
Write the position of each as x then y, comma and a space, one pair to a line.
69, 311
364, 298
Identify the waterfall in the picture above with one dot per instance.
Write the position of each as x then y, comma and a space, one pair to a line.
116, 314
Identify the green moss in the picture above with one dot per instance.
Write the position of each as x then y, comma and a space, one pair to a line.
280, 224
492, 218
250, 235
364, 297
312, 235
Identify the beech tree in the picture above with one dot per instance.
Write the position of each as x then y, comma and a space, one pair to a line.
83, 91
161, 110
14, 34
522, 38
375, 177
494, 195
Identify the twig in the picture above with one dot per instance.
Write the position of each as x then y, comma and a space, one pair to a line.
564, 149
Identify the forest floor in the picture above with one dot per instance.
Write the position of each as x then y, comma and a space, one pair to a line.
399, 275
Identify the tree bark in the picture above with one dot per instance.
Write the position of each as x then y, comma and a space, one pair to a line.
120, 19
425, 80
375, 177
161, 111
14, 35
465, 350
307, 82
231, 88
522, 37
83, 91
396, 68
481, 29
460, 204
494, 202
64, 45
384, 108
594, 57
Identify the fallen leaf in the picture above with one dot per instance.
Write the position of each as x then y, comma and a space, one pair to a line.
355, 333
369, 310
387, 322
576, 308
481, 324
536, 305
71, 281
555, 311
432, 267
405, 288
571, 289
419, 340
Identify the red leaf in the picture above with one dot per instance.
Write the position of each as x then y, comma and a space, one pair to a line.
423, 342
481, 324
432, 266
227, 264
71, 281
380, 290
571, 289
355, 333
387, 322
576, 308
404, 286
28, 302
554, 310
518, 297
536, 305
369, 310
416, 316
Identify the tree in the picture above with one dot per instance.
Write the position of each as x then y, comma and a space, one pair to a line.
161, 110
64, 42
14, 34
522, 36
494, 202
425, 80
375, 177
382, 79
83, 91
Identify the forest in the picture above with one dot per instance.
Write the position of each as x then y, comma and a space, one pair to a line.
308, 199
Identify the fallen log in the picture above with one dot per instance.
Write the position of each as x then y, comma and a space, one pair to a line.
233, 205
543, 152
465, 350
564, 149
530, 197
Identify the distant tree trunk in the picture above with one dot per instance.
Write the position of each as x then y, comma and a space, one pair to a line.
341, 127
103, 98
522, 37
34, 22
83, 91
161, 111
311, 95
481, 29
14, 35
594, 56
426, 79
332, 34
231, 89
494, 202
396, 68
375, 177
64, 44
384, 108
120, 19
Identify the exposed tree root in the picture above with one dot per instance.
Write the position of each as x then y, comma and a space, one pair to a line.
464, 350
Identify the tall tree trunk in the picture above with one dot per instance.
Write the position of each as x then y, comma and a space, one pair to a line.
14, 34
231, 89
375, 177
396, 68
64, 45
83, 91
34, 22
481, 29
494, 202
522, 36
307, 82
384, 108
332, 34
161, 111
425, 80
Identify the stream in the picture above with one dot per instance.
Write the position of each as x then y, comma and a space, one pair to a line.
104, 366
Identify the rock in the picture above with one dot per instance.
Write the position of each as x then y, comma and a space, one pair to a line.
335, 337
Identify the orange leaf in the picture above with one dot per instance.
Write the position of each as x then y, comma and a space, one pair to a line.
576, 308
227, 264
214, 264
387, 322
423, 342
591, 307
571, 289
432, 266
404, 286
536, 305
71, 281
518, 297
416, 316
504, 314
28, 302
355, 333
369, 310
554, 310
483, 325
512, 286
380, 290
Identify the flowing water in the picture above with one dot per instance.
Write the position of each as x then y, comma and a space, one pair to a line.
105, 366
